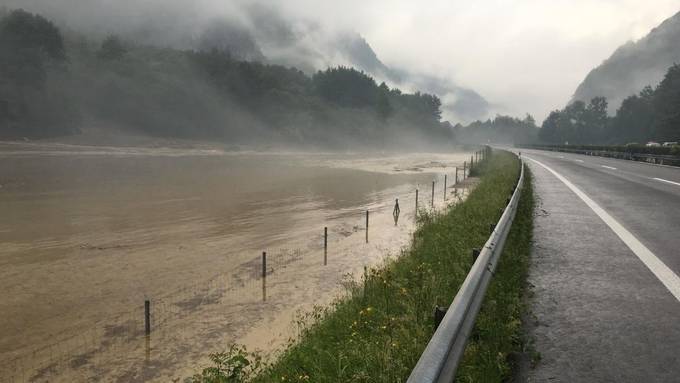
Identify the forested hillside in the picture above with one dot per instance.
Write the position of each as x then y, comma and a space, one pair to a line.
652, 114
634, 66
55, 82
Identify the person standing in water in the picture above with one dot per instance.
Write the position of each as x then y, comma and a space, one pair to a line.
396, 212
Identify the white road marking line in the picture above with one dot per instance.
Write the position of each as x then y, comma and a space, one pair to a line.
653, 263
608, 167
667, 181
578, 160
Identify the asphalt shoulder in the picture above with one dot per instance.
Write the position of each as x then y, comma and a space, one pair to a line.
597, 313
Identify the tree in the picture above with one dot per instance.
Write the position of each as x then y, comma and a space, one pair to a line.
30, 45
595, 120
577, 123
112, 48
383, 106
666, 102
634, 119
27, 43
346, 87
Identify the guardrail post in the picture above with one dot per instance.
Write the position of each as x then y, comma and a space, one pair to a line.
325, 246
475, 254
438, 314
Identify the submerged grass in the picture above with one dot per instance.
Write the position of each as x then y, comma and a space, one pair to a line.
378, 332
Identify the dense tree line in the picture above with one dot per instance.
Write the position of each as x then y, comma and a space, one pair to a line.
50, 84
31, 104
501, 129
653, 114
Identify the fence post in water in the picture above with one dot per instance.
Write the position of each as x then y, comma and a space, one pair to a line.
416, 214
444, 187
325, 246
366, 226
456, 179
464, 169
472, 162
147, 317
264, 276
433, 194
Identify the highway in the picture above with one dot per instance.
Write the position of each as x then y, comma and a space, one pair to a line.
605, 291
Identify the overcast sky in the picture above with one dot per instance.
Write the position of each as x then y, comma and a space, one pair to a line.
522, 55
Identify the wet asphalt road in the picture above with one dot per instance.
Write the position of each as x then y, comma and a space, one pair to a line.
598, 313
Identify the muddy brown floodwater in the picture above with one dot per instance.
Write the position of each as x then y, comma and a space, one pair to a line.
88, 234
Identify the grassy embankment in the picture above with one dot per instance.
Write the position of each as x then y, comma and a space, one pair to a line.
378, 333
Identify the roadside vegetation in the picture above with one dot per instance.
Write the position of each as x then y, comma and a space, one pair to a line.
377, 333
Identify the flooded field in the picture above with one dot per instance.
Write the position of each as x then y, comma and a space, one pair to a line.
88, 234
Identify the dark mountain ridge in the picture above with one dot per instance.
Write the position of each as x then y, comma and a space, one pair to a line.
633, 66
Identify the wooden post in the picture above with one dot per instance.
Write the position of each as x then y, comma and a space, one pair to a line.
325, 246
444, 187
264, 264
456, 180
416, 203
433, 194
366, 226
147, 317
264, 276
464, 169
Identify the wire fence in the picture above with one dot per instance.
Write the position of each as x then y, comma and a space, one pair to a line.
200, 317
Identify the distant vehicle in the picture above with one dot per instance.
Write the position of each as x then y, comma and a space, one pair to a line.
653, 144
670, 143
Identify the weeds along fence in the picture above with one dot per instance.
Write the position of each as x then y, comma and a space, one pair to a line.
161, 332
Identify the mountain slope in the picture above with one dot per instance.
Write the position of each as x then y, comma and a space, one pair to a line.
634, 66
458, 103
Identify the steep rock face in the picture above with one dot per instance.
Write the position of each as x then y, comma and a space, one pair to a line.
634, 65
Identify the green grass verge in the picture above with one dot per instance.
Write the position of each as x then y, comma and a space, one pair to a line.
378, 332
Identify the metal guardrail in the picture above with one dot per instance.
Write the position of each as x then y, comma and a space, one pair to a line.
660, 159
439, 361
